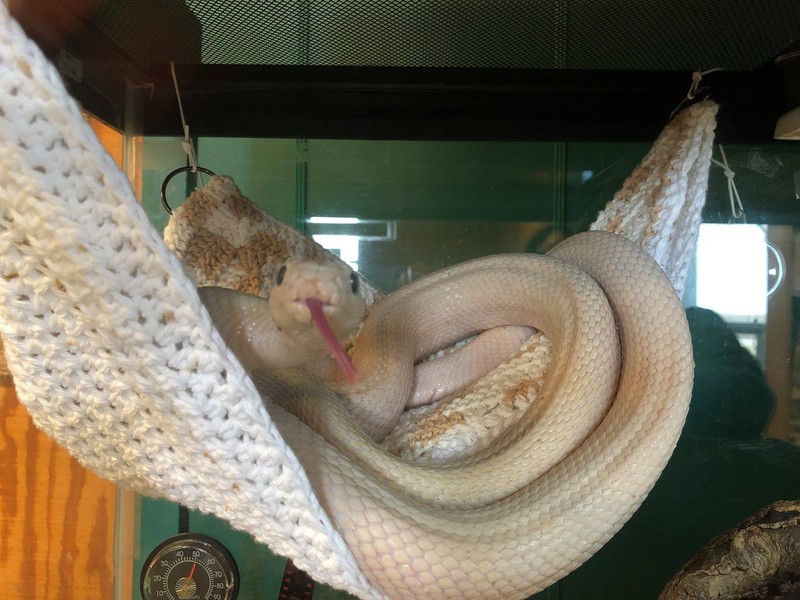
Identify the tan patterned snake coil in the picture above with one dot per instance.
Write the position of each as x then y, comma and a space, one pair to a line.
511, 520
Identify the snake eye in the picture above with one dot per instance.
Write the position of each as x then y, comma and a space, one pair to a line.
354, 282
281, 273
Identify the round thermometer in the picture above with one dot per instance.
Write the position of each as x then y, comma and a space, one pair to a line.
190, 566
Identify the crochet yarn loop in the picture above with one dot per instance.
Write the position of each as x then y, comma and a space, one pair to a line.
109, 347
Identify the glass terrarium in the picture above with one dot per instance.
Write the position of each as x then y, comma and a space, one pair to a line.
409, 138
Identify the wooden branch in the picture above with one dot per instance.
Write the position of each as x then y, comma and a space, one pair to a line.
756, 559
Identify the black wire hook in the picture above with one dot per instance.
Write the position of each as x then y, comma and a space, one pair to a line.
701, 94
695, 93
167, 179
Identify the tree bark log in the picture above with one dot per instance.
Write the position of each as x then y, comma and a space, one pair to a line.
758, 558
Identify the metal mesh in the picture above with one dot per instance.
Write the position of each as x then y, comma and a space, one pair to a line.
580, 34
151, 30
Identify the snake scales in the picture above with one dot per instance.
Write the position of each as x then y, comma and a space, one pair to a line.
517, 516
78, 251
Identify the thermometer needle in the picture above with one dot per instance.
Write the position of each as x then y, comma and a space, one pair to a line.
191, 573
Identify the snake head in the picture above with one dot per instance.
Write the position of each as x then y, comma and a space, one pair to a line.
310, 301
335, 287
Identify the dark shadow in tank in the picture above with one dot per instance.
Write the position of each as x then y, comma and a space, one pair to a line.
723, 470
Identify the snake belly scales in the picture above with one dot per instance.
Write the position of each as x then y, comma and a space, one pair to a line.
519, 515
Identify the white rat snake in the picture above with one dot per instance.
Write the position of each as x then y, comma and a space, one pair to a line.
555, 487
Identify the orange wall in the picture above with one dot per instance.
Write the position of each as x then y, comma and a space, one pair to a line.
56, 518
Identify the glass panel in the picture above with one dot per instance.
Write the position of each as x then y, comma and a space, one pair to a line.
264, 169
398, 210
736, 453
594, 172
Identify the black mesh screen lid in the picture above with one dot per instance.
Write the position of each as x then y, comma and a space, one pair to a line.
544, 34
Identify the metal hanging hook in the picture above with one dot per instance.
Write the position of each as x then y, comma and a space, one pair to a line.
695, 93
167, 179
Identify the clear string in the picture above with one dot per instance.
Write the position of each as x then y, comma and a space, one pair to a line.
697, 77
737, 210
694, 89
187, 144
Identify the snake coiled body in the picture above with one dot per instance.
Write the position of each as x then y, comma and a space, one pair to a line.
512, 519
116, 360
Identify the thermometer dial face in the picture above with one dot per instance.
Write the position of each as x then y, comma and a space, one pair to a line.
190, 566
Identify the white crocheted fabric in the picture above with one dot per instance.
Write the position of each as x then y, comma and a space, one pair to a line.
109, 347
660, 205
114, 356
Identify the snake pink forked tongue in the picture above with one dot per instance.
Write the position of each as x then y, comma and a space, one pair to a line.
315, 306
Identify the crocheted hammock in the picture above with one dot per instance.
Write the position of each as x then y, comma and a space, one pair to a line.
114, 357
